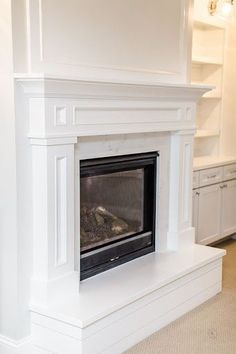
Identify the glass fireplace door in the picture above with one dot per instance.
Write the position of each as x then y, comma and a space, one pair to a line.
117, 210
112, 207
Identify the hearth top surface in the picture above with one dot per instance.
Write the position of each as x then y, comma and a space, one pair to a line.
112, 290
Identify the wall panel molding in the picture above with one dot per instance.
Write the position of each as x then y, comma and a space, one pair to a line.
71, 58
61, 210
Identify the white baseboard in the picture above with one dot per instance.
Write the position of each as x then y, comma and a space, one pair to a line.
10, 346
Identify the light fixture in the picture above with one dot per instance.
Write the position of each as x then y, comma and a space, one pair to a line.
212, 7
226, 7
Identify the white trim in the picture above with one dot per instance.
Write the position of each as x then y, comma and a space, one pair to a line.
11, 346
61, 221
57, 140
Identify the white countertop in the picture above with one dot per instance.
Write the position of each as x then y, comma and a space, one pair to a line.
200, 163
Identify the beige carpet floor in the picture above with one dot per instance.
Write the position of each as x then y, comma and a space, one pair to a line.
208, 329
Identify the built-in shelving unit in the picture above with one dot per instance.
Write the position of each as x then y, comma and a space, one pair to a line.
207, 68
214, 178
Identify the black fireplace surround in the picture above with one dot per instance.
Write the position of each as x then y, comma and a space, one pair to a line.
117, 210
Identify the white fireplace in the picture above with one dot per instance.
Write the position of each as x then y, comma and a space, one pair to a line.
71, 121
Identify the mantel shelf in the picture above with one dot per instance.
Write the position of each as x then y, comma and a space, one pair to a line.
214, 93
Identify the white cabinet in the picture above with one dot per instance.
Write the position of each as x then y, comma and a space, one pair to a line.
229, 208
214, 204
210, 176
229, 172
209, 214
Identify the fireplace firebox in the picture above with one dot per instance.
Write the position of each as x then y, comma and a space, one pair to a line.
117, 210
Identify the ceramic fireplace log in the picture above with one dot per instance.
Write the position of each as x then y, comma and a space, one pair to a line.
98, 224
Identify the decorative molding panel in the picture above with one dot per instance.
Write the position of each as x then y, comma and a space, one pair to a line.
187, 177
61, 41
59, 115
61, 210
102, 115
53, 211
180, 198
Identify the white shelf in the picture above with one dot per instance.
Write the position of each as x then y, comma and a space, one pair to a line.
212, 23
202, 60
213, 95
205, 133
208, 74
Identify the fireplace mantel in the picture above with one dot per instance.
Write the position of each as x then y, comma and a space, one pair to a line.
62, 107
70, 120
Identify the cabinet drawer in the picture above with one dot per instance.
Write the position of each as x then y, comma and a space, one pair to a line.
211, 176
196, 179
229, 172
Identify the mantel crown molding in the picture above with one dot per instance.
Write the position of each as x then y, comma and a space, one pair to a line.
65, 86
62, 107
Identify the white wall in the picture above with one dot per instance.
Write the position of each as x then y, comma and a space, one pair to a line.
19, 33
201, 10
8, 220
15, 192
228, 146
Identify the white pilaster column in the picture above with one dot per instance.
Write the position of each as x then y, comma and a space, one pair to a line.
181, 233
53, 219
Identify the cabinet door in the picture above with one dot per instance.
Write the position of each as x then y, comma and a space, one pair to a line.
209, 214
229, 208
